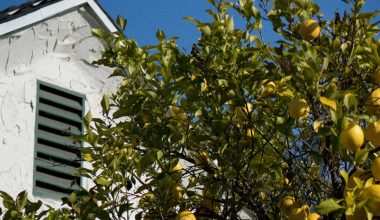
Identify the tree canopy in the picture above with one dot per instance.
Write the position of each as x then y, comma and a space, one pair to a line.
288, 130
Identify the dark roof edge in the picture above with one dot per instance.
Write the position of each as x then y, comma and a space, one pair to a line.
14, 12
27, 13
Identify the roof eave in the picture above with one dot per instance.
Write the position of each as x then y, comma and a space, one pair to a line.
52, 10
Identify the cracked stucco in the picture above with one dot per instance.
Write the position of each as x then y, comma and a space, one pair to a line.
57, 51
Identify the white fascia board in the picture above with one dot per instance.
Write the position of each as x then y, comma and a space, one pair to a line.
52, 10
102, 15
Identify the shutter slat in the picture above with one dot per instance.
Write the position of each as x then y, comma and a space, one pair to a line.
66, 155
54, 166
59, 112
59, 182
42, 191
56, 138
58, 125
60, 100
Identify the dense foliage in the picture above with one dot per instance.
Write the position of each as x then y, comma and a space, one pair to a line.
237, 124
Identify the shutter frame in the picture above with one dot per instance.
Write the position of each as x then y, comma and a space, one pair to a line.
51, 137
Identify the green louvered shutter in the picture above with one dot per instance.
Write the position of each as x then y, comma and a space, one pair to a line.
58, 117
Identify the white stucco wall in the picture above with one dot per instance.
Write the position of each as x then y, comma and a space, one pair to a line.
58, 51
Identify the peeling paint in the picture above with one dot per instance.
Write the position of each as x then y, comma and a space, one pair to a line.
58, 51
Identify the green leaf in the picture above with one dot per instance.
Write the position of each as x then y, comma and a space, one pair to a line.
361, 155
160, 35
195, 21
328, 102
103, 181
230, 25
7, 200
92, 138
205, 30
365, 15
326, 62
159, 154
33, 207
100, 33
105, 103
87, 157
121, 22
21, 200
87, 120
147, 161
350, 101
336, 43
14, 214
73, 198
344, 175
328, 206
231, 173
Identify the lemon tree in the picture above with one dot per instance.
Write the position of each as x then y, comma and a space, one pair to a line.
286, 130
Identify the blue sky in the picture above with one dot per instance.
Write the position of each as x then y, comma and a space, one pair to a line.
146, 16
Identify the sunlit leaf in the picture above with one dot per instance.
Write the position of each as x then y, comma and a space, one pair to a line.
328, 206
328, 102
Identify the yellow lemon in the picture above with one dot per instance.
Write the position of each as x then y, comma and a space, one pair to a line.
372, 193
372, 133
250, 132
299, 213
375, 168
359, 214
176, 192
286, 204
299, 109
309, 30
177, 167
372, 103
376, 76
242, 112
270, 87
351, 137
185, 215
283, 181
202, 157
284, 165
313, 216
